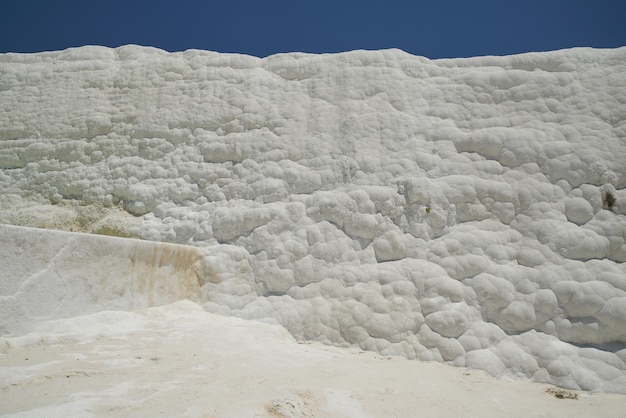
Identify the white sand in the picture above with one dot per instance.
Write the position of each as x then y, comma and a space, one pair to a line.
178, 360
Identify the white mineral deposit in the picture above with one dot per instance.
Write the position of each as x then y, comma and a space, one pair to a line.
206, 234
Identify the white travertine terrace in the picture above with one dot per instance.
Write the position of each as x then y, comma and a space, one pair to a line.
467, 211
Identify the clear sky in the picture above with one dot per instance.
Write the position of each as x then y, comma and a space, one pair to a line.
433, 28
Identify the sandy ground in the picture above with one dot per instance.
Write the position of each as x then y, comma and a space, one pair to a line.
178, 360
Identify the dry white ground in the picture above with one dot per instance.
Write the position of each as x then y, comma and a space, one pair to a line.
178, 360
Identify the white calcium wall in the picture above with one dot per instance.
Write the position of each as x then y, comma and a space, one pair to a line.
470, 211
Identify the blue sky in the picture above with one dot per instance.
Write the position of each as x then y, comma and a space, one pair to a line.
434, 28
